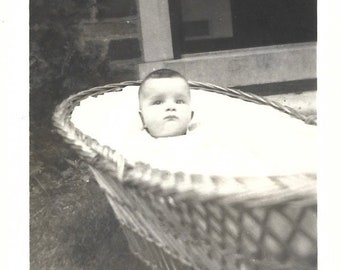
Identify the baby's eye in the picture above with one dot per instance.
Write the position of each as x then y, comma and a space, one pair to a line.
157, 102
180, 101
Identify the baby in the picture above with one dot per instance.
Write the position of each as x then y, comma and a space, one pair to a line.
165, 103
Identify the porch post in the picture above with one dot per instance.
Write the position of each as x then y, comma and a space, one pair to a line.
156, 30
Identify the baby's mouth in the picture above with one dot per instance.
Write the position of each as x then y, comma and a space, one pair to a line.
170, 117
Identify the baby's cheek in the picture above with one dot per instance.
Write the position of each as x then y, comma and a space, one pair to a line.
151, 114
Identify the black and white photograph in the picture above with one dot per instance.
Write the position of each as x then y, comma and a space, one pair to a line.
169, 134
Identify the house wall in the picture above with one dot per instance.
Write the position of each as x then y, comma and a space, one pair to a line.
245, 66
134, 38
118, 32
239, 67
112, 36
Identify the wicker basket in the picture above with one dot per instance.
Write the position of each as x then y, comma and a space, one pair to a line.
170, 223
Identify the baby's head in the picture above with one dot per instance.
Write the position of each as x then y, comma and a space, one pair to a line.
165, 103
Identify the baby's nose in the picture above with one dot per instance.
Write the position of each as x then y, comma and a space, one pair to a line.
171, 106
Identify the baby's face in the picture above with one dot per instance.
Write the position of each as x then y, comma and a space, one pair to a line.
165, 106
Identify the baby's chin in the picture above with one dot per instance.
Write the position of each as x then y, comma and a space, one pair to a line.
169, 129
168, 133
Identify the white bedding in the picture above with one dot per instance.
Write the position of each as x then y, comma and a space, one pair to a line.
227, 136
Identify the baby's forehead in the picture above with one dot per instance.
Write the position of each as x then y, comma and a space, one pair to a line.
165, 86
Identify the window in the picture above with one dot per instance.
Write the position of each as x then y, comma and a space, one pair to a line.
211, 25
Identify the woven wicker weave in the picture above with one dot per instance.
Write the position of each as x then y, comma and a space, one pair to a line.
171, 222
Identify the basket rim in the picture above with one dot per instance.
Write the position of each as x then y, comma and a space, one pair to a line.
182, 186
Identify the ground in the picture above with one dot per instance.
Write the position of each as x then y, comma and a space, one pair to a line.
72, 226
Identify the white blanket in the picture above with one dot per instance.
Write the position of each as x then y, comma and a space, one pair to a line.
227, 136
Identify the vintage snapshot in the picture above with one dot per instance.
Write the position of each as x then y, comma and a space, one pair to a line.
173, 134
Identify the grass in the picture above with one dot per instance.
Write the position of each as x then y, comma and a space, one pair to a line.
72, 225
